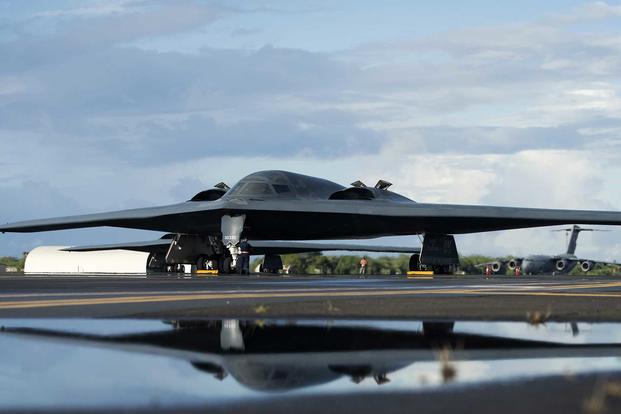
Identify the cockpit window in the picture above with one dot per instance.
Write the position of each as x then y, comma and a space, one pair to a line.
255, 188
281, 188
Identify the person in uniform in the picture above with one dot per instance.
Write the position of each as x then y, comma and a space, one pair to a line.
244, 256
363, 265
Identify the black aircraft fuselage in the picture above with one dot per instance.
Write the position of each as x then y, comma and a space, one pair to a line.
271, 191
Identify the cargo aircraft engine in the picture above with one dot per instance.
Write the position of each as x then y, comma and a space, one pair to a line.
496, 267
512, 264
587, 266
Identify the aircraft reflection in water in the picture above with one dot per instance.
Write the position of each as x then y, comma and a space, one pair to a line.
550, 264
280, 205
278, 356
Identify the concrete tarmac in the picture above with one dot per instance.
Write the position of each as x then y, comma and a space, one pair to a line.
561, 298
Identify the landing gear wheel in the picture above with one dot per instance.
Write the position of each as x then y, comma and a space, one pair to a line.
201, 263
415, 262
226, 266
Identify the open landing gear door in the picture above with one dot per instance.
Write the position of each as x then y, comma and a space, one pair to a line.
439, 250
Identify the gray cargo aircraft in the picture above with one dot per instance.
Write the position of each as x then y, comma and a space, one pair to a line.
547, 264
559, 264
280, 205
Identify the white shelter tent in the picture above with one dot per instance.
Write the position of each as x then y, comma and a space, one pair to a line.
51, 259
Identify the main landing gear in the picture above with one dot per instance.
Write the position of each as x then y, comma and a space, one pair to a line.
439, 253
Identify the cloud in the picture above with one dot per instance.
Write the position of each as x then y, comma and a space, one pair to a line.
564, 179
217, 101
97, 8
503, 94
242, 32
598, 10
75, 33
17, 200
533, 74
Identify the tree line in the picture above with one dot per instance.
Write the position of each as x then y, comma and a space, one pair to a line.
17, 262
319, 264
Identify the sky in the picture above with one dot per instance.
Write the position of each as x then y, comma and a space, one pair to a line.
107, 105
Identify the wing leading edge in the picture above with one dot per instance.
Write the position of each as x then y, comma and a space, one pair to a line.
329, 218
181, 218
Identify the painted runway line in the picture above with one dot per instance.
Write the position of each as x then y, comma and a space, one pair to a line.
41, 300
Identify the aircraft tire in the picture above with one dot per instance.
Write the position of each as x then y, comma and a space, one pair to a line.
414, 264
201, 262
224, 265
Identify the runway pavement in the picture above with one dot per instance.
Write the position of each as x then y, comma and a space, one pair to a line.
443, 297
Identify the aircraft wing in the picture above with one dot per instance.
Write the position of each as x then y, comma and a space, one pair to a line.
598, 262
498, 266
501, 264
564, 257
324, 219
503, 261
259, 247
481, 265
608, 263
188, 217
160, 245
461, 219
586, 264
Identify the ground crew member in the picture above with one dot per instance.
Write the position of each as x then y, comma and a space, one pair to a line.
518, 271
244, 257
363, 265
488, 271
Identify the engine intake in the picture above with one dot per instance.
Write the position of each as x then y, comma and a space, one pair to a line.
209, 195
561, 265
496, 266
587, 266
512, 264
353, 193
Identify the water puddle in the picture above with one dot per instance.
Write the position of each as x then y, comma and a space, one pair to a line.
139, 363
